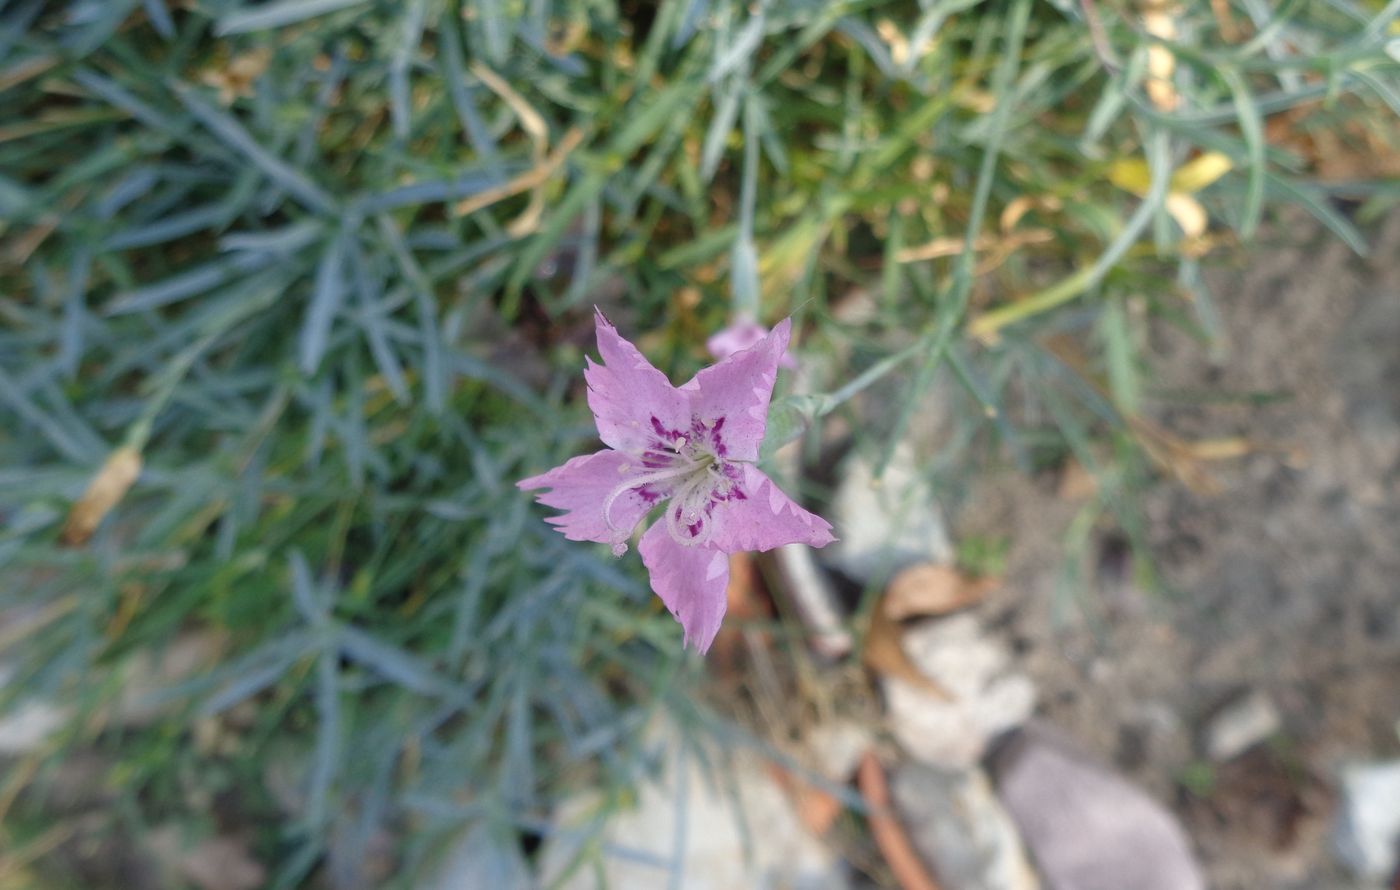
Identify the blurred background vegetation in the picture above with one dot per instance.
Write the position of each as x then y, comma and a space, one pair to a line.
292, 292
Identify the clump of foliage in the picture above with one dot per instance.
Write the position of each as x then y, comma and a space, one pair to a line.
323, 272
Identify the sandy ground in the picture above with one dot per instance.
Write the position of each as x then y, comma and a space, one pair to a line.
1285, 580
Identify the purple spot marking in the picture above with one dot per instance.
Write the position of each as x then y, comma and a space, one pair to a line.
665, 434
715, 439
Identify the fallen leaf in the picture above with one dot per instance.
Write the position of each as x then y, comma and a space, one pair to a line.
1161, 63
1229, 28
954, 245
1076, 483
103, 493
815, 808
884, 654
929, 589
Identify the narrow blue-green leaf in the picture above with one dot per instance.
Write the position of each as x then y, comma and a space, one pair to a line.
276, 169
1123, 378
586, 257
120, 97
325, 94
169, 228
15, 199
304, 593
276, 15
61, 439
96, 26
740, 51
160, 18
454, 73
930, 22
368, 289
17, 24
721, 125
1322, 211
136, 184
1385, 90
281, 240
435, 370
1381, 23
493, 27
326, 300
1115, 94
70, 348
390, 662
400, 108
184, 285
695, 10
249, 674
326, 755
1252, 127
466, 184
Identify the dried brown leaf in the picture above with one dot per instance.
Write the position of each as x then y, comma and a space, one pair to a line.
103, 493
884, 654
909, 870
816, 809
932, 590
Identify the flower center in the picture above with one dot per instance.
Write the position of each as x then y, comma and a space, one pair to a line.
689, 471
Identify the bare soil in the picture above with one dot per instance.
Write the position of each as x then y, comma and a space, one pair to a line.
1285, 579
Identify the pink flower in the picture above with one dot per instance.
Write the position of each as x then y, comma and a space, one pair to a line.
740, 335
692, 449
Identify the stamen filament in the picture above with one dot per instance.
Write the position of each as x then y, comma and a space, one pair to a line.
689, 467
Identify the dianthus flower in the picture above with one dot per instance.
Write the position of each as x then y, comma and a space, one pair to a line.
742, 333
689, 450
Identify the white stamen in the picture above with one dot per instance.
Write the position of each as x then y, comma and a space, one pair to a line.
696, 478
688, 468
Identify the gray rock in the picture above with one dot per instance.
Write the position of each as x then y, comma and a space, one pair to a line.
1368, 820
960, 828
727, 827
986, 696
1241, 725
885, 525
28, 724
1087, 828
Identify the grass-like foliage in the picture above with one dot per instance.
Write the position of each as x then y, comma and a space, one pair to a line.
323, 272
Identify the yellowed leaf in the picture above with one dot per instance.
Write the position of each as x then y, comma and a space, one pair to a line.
953, 245
1220, 449
103, 493
1188, 213
1200, 172
1130, 175
1161, 63
1013, 212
